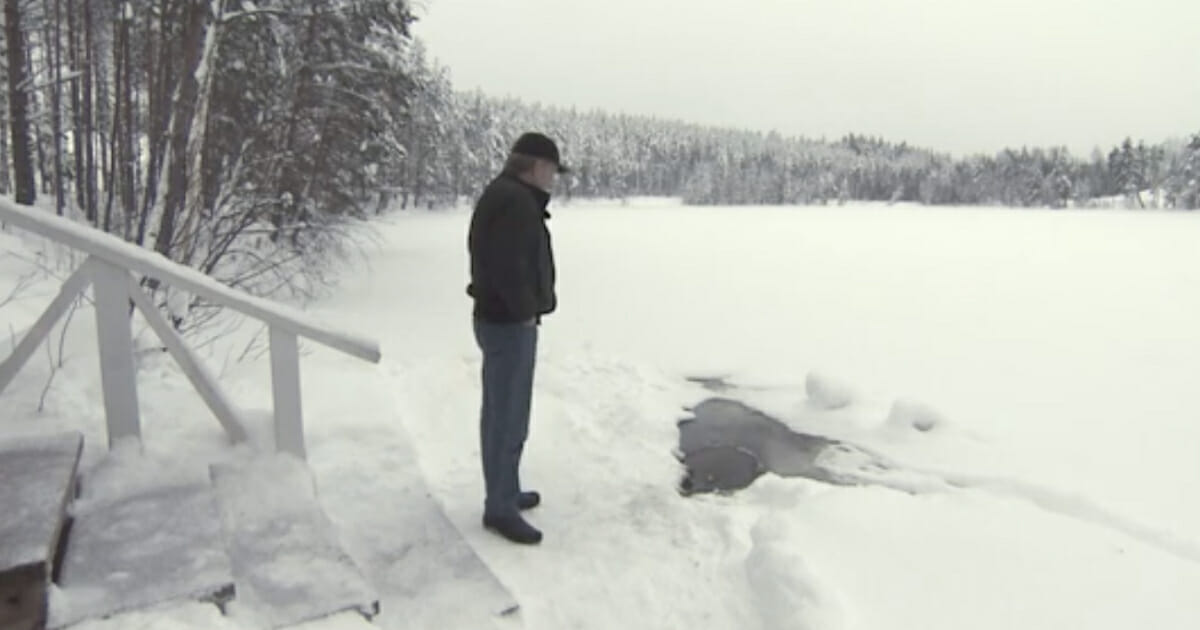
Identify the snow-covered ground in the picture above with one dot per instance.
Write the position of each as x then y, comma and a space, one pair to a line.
1056, 349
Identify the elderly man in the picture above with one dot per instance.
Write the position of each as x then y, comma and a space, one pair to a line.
512, 283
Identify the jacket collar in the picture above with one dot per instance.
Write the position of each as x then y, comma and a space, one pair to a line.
542, 197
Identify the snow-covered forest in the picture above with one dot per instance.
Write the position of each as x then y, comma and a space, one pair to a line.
242, 137
621, 155
234, 136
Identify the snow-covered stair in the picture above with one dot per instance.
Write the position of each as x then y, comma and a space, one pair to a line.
288, 562
156, 546
149, 531
37, 481
253, 538
427, 573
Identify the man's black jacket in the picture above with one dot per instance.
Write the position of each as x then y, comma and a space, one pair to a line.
512, 261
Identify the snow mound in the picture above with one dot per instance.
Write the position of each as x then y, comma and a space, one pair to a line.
909, 415
789, 596
828, 393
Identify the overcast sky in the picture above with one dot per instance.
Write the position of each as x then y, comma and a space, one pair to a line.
956, 75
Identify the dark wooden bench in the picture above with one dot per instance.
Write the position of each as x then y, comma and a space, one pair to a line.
37, 483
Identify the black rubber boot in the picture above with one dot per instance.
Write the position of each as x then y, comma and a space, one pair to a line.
513, 528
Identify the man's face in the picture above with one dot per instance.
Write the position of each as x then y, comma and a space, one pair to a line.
544, 174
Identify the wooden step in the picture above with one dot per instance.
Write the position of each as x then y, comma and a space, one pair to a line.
37, 481
288, 562
157, 546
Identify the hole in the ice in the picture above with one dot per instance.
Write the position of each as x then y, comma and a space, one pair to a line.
726, 445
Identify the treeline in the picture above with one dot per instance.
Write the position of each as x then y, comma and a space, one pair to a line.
621, 155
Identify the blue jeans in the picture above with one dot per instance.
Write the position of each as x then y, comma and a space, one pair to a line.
509, 351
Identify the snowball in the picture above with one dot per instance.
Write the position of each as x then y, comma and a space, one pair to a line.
907, 414
827, 393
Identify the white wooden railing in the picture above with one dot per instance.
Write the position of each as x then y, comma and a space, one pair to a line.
109, 270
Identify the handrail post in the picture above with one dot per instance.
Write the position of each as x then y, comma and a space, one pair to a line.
285, 387
118, 378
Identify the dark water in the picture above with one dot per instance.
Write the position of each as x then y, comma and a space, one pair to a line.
726, 445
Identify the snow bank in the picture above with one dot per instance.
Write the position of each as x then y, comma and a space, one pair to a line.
788, 594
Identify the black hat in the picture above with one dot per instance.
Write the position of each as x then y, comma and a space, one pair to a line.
539, 146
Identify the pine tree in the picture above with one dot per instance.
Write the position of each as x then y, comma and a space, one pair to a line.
1127, 165
18, 103
1189, 175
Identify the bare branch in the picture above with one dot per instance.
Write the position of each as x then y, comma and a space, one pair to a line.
49, 379
62, 339
24, 282
238, 15
255, 347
